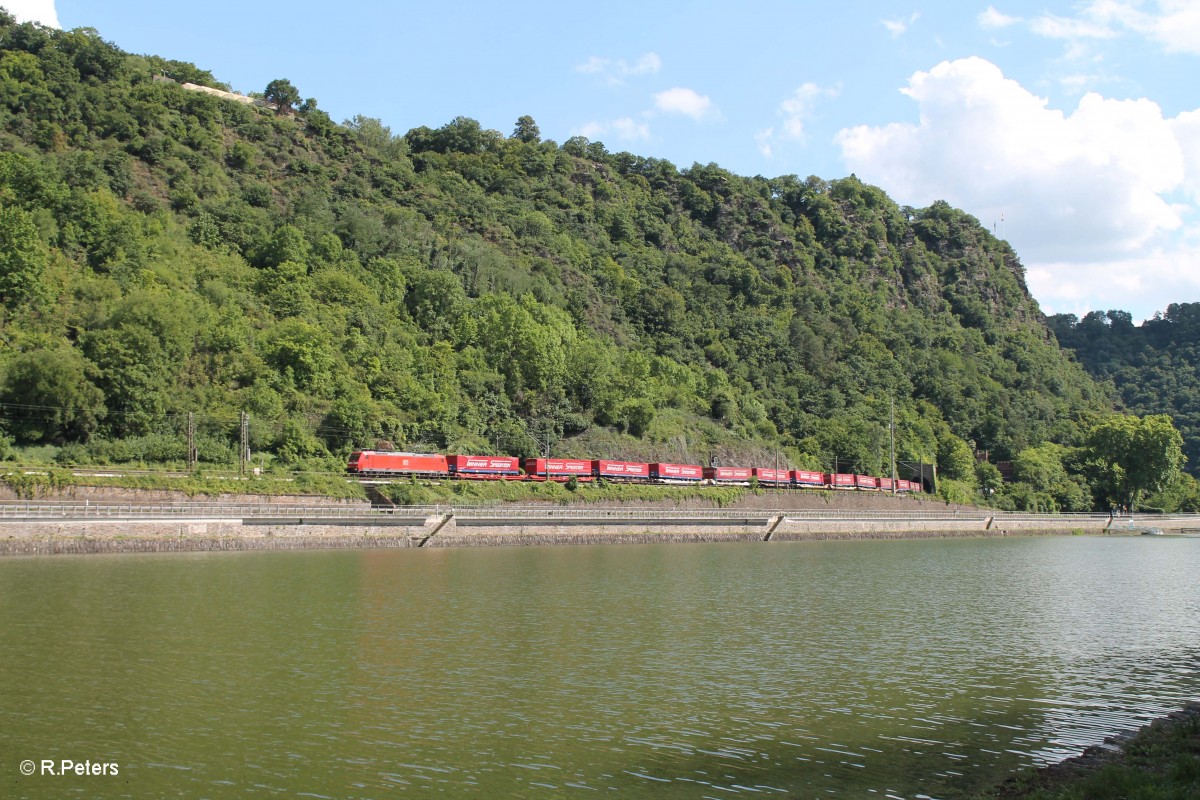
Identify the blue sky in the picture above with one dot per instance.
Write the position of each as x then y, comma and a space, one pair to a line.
1071, 128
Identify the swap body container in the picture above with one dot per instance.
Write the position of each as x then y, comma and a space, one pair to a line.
484, 465
676, 472
802, 477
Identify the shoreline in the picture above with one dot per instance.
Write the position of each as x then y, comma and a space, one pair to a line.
367, 538
1161, 759
131, 522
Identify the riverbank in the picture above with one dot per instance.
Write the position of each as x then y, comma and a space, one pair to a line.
74, 529
1160, 761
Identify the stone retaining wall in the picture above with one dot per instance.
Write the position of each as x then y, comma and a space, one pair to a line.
91, 536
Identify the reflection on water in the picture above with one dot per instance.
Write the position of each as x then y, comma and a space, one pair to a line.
899, 668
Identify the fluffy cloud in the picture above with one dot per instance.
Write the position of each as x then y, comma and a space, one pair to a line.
42, 11
1085, 195
684, 101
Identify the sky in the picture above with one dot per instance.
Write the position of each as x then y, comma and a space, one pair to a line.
1070, 129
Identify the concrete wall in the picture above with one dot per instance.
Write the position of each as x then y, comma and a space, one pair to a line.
87, 536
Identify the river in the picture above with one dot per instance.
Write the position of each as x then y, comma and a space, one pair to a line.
901, 669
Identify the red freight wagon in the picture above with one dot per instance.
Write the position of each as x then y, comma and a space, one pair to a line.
902, 486
885, 484
484, 465
840, 480
560, 468
866, 482
621, 470
676, 472
374, 462
773, 476
805, 478
727, 474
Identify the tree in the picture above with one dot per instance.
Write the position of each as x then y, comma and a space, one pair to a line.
283, 94
1041, 469
1133, 456
23, 258
51, 397
527, 130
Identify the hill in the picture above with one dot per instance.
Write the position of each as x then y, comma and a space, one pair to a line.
1154, 367
170, 255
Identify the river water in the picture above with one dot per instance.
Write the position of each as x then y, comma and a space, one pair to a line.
900, 669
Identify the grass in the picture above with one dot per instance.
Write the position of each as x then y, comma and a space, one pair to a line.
48, 481
488, 492
45, 481
1160, 762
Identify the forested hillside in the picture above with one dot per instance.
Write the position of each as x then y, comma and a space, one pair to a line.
165, 252
1154, 366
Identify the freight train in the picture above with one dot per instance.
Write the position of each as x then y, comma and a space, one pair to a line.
379, 464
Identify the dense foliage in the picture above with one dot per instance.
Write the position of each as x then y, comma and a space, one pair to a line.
164, 251
1154, 366
1155, 369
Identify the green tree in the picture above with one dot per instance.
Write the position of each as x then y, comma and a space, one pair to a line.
1042, 469
50, 396
23, 258
283, 94
527, 130
1134, 456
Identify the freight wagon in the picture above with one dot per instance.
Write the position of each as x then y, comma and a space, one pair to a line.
676, 473
802, 477
729, 476
771, 477
558, 469
484, 466
621, 470
840, 480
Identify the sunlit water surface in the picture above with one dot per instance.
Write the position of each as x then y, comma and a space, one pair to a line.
892, 668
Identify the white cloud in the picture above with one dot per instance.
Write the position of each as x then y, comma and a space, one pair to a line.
593, 65
897, 27
684, 101
1186, 127
1176, 27
1141, 285
646, 65
992, 19
42, 11
764, 141
615, 70
590, 130
631, 130
1173, 24
624, 128
1053, 27
1086, 194
795, 111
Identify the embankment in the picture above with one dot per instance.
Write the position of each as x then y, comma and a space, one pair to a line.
43, 529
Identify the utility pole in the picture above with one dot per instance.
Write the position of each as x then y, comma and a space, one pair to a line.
892, 439
244, 447
191, 442
544, 445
